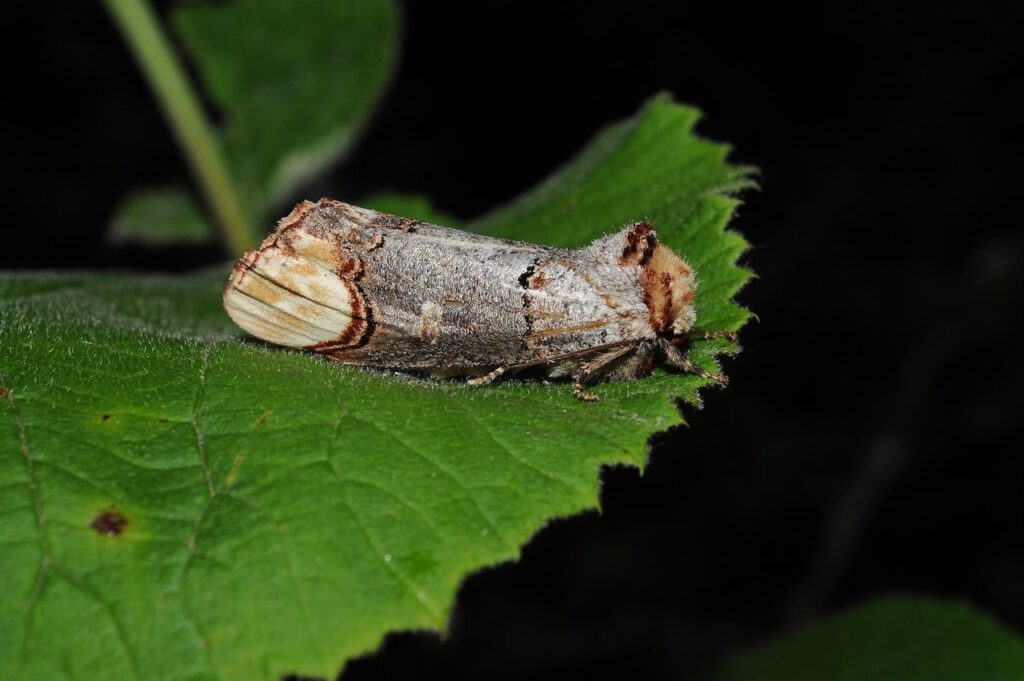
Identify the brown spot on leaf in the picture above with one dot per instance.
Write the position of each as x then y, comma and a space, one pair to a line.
262, 420
5, 394
105, 417
110, 522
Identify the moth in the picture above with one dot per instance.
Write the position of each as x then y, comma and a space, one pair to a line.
371, 289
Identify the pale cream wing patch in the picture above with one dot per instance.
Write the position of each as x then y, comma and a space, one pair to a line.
285, 294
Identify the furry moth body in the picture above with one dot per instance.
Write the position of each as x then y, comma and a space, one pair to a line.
371, 289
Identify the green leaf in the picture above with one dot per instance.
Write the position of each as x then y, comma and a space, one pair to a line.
182, 502
159, 216
908, 639
295, 81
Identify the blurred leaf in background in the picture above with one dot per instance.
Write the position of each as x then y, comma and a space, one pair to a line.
159, 216
890, 639
292, 82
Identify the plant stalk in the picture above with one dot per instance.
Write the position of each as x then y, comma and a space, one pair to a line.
166, 77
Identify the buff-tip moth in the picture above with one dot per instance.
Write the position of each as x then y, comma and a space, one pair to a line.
371, 289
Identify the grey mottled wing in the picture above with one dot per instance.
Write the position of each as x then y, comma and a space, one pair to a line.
372, 289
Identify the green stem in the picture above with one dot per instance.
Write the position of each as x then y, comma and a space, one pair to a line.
195, 136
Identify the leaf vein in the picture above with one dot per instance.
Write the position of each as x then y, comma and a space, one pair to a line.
198, 404
119, 628
508, 450
37, 507
417, 592
458, 483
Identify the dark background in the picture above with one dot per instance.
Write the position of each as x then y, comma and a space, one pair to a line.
870, 442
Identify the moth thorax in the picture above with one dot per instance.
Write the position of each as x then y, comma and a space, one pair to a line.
669, 286
667, 283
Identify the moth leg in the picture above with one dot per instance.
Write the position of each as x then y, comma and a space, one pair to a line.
487, 378
594, 369
581, 394
676, 358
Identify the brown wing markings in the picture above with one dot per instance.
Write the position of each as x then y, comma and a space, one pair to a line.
361, 310
527, 307
572, 328
640, 245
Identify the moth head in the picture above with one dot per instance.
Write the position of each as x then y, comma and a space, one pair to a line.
668, 284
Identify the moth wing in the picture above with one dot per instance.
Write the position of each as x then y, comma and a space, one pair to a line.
458, 301
372, 289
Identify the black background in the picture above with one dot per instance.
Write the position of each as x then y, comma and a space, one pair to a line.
870, 442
